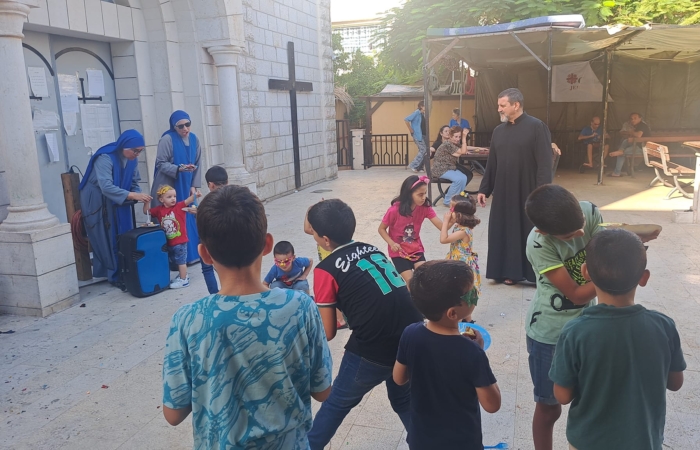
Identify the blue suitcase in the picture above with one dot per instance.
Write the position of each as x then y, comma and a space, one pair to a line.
143, 260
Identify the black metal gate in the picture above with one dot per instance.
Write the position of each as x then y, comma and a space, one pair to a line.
343, 142
385, 150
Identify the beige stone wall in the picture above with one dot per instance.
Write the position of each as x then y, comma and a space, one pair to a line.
340, 110
389, 118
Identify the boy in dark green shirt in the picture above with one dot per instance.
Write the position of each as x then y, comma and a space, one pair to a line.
617, 359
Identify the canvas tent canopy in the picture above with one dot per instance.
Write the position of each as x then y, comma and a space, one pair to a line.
653, 70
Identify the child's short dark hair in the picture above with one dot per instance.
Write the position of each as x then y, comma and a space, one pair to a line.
465, 210
283, 248
616, 260
554, 210
437, 286
232, 226
333, 219
405, 198
216, 175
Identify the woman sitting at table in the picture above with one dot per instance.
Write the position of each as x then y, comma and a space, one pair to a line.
443, 136
446, 163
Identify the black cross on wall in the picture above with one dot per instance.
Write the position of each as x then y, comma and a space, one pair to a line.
293, 86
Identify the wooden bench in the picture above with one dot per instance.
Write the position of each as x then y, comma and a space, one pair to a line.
657, 157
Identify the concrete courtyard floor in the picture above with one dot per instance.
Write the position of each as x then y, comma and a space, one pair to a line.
90, 377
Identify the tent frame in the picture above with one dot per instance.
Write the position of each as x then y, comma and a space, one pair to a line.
607, 51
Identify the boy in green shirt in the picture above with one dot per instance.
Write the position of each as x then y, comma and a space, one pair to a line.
617, 359
556, 248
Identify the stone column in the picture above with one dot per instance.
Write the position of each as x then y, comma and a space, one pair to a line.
226, 61
27, 210
37, 267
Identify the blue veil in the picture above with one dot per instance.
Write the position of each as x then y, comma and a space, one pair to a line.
121, 177
184, 154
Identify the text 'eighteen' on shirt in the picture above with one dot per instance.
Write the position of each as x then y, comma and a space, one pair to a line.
359, 280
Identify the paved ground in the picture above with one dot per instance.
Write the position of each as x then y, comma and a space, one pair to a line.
90, 377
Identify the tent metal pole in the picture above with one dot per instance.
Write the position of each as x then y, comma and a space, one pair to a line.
475, 117
461, 91
606, 85
529, 50
549, 78
427, 97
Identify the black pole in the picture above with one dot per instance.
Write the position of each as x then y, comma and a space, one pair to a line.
549, 77
426, 101
295, 123
606, 84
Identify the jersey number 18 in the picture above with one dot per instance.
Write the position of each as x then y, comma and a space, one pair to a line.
379, 261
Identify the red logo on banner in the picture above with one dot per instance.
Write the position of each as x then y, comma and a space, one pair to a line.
573, 79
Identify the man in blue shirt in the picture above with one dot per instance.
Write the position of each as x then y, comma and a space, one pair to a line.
457, 120
416, 125
591, 136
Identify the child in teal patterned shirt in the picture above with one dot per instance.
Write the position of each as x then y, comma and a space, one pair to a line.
246, 361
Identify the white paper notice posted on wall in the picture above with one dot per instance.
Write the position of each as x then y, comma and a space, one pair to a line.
37, 81
98, 125
52, 145
70, 123
45, 120
96, 83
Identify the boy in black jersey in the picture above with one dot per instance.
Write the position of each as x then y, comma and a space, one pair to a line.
358, 279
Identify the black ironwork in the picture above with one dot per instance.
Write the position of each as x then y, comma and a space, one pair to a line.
89, 52
37, 53
386, 150
293, 86
84, 99
343, 142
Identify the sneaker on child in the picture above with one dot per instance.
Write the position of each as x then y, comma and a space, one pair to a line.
178, 283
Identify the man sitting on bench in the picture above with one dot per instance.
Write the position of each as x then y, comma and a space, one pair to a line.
635, 128
590, 137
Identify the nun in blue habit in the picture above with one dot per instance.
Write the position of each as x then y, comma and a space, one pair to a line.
111, 178
178, 165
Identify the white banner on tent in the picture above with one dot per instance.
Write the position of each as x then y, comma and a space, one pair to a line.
576, 82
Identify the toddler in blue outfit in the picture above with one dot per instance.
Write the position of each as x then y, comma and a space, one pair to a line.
289, 271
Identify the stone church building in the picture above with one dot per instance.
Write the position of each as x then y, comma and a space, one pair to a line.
75, 73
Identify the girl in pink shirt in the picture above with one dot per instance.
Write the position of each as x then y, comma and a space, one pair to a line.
400, 227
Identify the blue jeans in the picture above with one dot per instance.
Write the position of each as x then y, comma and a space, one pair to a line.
540, 357
178, 254
629, 148
300, 285
210, 278
356, 377
418, 161
459, 182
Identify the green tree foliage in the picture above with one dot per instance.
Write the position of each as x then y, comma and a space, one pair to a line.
340, 56
405, 27
640, 12
361, 78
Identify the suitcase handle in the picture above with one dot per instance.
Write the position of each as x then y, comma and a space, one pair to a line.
131, 203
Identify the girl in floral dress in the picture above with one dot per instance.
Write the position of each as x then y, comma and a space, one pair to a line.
462, 216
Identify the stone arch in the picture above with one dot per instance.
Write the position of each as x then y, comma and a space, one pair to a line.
183, 73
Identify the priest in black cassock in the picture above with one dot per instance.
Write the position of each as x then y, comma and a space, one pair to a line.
519, 161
